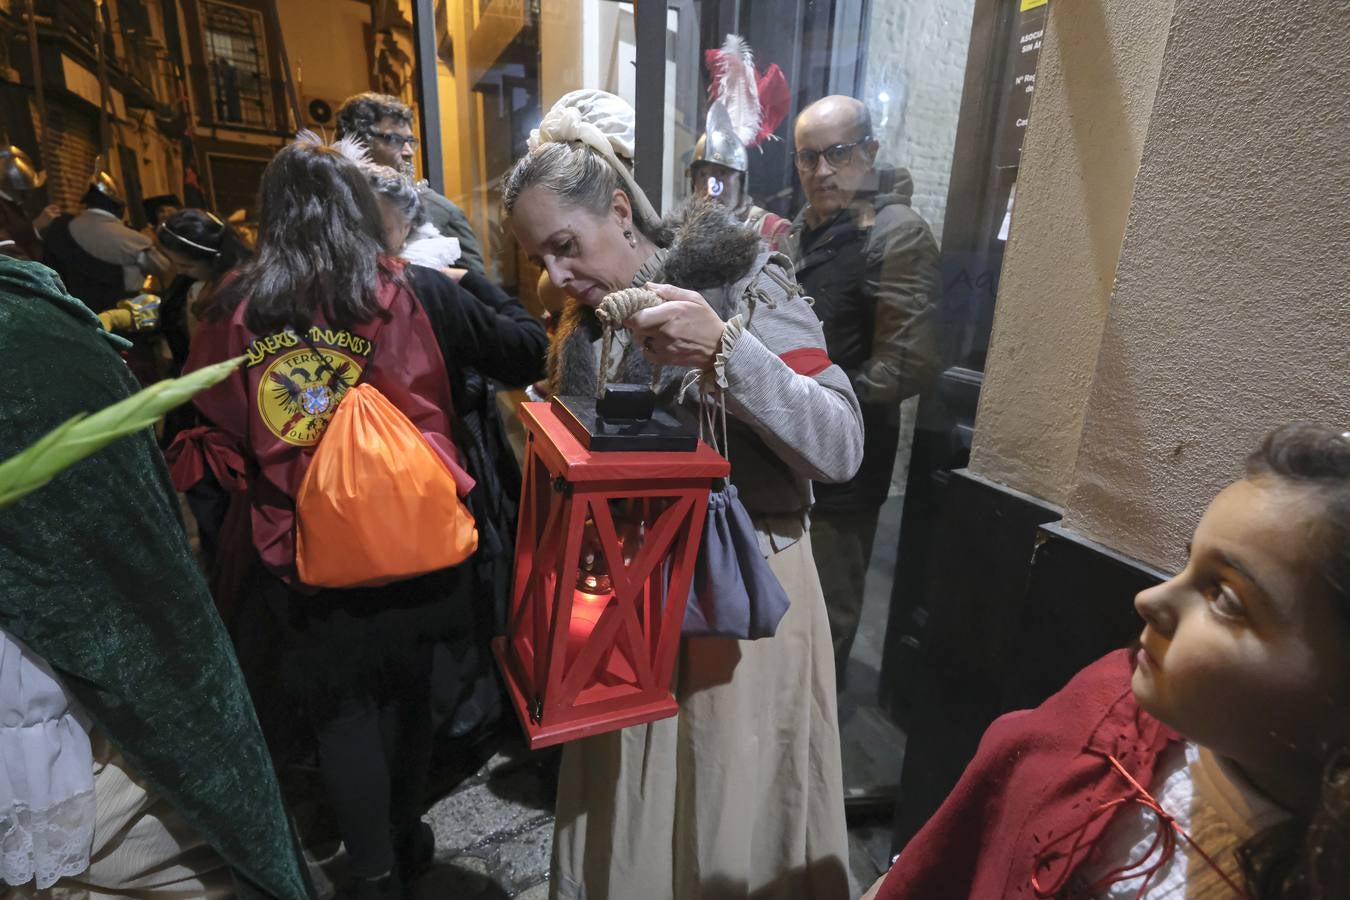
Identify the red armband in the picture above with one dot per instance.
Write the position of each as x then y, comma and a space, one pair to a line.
807, 360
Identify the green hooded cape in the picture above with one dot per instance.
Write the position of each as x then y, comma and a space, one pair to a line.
96, 576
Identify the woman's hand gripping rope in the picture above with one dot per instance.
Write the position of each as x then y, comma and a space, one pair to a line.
674, 327
681, 330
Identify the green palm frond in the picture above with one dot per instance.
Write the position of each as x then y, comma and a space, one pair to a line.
76, 438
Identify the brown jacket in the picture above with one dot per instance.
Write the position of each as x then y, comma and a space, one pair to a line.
873, 273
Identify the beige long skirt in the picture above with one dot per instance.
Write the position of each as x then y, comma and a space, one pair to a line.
738, 796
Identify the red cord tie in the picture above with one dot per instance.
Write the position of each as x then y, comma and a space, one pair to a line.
1166, 837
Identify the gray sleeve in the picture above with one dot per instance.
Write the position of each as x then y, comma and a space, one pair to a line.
450, 221
133, 250
139, 257
811, 422
152, 261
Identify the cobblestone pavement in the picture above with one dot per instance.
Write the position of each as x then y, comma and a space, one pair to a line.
494, 831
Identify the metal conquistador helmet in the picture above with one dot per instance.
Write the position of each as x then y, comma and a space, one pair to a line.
103, 182
719, 143
745, 106
17, 172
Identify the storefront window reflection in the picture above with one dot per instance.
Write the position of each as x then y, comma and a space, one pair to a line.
945, 89
875, 143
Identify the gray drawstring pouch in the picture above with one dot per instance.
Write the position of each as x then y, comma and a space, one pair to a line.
734, 593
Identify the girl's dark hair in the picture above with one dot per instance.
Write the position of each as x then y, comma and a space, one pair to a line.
1309, 859
319, 244
199, 235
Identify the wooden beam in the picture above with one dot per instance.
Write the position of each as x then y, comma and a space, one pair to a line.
651, 98
273, 20
428, 93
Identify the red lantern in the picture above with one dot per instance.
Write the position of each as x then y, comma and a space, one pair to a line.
604, 557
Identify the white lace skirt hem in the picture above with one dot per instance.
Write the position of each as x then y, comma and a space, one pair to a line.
47, 807
46, 844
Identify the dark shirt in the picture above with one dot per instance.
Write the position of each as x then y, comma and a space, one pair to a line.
15, 226
99, 284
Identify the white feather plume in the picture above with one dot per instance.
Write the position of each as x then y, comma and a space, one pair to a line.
350, 146
737, 88
428, 247
354, 149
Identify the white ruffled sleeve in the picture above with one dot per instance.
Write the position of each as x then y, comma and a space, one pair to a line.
46, 774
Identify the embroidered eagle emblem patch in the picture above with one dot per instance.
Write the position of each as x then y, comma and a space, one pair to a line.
298, 393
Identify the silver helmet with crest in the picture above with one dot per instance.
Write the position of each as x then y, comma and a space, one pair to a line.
719, 142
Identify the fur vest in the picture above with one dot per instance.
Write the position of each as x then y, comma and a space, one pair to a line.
708, 251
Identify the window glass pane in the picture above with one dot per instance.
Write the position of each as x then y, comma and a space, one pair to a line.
925, 171
236, 59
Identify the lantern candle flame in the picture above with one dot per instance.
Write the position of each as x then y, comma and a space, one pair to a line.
594, 591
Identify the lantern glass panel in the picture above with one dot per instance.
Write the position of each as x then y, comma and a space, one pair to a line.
617, 596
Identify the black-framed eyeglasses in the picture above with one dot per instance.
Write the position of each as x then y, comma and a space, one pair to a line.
837, 155
399, 141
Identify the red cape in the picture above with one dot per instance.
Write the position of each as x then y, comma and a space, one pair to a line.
1037, 774
277, 406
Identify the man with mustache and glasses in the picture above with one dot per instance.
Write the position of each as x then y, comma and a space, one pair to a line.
871, 264
384, 124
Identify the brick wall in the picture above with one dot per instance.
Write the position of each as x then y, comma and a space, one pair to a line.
916, 61
73, 141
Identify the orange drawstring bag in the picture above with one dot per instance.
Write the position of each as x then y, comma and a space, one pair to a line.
377, 504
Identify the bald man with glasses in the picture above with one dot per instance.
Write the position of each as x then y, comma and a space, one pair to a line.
871, 264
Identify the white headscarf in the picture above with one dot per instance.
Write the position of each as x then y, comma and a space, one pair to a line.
603, 122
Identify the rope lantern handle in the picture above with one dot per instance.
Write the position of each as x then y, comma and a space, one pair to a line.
616, 309
612, 312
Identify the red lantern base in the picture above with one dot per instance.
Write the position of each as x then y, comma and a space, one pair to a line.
538, 735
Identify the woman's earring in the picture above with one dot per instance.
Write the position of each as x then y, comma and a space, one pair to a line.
628, 233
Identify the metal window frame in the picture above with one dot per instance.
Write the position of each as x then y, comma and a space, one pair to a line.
258, 20
650, 28
428, 93
650, 101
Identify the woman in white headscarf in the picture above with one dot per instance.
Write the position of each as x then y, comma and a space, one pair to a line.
741, 793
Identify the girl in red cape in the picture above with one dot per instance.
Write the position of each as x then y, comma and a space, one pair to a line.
1214, 761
